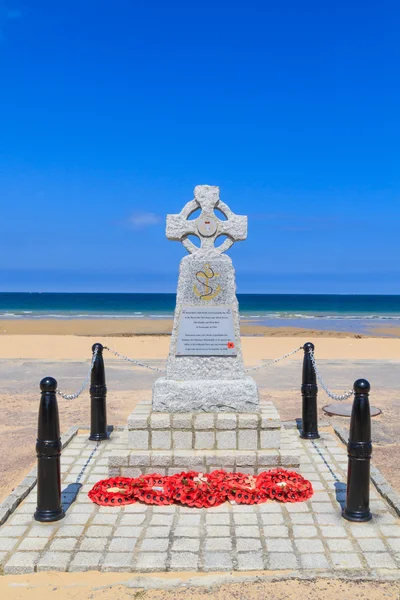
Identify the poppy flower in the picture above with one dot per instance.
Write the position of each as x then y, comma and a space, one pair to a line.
203, 490
231, 345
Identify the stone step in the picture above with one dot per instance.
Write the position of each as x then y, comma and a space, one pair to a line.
237, 439
149, 430
174, 461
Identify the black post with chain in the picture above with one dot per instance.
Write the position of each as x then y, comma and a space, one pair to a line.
309, 392
359, 449
98, 393
48, 451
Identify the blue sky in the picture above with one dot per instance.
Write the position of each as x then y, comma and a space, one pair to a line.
111, 113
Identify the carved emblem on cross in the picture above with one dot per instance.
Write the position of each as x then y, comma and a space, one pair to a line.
207, 227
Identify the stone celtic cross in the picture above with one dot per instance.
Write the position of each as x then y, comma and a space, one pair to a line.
207, 227
205, 370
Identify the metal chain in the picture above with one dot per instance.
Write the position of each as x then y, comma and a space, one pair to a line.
344, 396
274, 361
85, 383
135, 362
140, 364
78, 479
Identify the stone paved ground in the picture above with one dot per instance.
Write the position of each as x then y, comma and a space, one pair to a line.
306, 538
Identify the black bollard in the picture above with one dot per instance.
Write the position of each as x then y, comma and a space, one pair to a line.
48, 451
309, 392
98, 393
359, 449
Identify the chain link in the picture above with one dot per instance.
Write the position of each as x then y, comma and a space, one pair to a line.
274, 361
78, 479
344, 396
135, 362
140, 364
85, 383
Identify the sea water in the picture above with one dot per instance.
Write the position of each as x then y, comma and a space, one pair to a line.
358, 313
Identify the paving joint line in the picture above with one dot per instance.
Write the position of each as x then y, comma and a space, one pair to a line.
203, 542
137, 550
265, 556
175, 522
345, 524
321, 537
325, 461
232, 531
80, 538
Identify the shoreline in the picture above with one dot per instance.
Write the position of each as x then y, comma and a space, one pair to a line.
163, 327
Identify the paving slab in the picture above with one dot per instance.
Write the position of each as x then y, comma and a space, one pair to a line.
305, 539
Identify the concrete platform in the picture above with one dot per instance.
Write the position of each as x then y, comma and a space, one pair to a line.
303, 539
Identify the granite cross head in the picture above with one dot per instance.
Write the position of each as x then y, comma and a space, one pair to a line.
207, 227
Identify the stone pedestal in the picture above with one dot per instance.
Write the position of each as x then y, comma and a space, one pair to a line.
171, 443
204, 395
205, 369
206, 383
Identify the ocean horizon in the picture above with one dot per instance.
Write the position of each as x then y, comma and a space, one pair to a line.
264, 309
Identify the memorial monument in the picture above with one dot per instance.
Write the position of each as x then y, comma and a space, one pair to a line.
205, 369
205, 413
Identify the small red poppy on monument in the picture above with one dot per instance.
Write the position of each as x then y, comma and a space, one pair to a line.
231, 345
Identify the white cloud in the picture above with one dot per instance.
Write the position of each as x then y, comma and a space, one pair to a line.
141, 220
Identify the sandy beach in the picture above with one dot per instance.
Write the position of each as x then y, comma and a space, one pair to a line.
255, 349
149, 338
132, 327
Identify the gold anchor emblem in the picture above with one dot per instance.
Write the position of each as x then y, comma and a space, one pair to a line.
204, 278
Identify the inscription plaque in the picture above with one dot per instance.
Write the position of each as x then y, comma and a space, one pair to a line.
206, 331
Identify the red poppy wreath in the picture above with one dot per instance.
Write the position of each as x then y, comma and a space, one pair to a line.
203, 490
154, 489
113, 492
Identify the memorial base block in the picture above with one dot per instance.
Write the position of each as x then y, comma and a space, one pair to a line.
239, 395
202, 441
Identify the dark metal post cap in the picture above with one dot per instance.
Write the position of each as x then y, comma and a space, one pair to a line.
98, 346
308, 346
361, 386
48, 384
